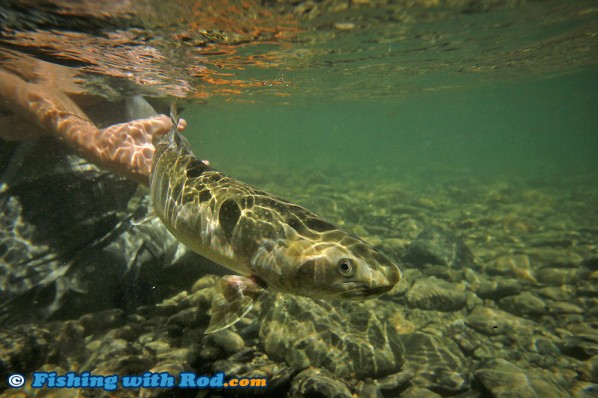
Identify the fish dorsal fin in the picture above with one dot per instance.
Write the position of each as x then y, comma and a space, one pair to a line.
233, 297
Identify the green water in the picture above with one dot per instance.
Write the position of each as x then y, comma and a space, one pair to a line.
533, 128
459, 138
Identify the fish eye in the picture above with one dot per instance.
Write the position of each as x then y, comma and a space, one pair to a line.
345, 266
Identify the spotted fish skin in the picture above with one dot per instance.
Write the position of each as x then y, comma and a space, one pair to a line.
277, 244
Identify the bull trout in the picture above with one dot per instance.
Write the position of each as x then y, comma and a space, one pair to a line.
268, 241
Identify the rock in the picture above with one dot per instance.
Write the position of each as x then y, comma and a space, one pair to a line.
495, 289
545, 347
584, 389
494, 322
438, 362
396, 381
368, 389
171, 368
105, 350
563, 307
434, 246
69, 337
589, 370
524, 304
123, 364
344, 25
206, 281
210, 353
417, 392
157, 347
561, 276
506, 380
587, 289
99, 322
229, 341
516, 265
23, 347
343, 337
561, 293
189, 317
435, 294
579, 347
183, 355
250, 362
318, 383
467, 339
590, 263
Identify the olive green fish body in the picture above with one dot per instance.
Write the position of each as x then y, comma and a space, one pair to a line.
279, 245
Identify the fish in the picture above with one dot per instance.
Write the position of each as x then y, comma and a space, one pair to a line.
269, 242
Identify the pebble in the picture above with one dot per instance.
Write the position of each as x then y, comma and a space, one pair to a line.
495, 322
518, 266
99, 322
584, 389
344, 25
524, 304
435, 246
210, 353
503, 379
418, 392
315, 382
495, 289
206, 281
229, 341
438, 362
435, 294
560, 276
590, 263
563, 307
158, 347
189, 317
183, 355
561, 293
342, 337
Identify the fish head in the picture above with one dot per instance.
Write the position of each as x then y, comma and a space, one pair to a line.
350, 270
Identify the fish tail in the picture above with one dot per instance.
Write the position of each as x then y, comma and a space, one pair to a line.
174, 118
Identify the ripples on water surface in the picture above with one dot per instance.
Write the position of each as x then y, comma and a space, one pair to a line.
408, 83
389, 118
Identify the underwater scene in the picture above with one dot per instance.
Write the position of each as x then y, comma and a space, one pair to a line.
299, 198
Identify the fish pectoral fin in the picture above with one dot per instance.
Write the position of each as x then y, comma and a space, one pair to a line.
233, 297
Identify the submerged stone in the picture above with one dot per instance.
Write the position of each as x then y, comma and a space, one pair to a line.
495, 289
589, 369
506, 380
318, 383
434, 246
229, 341
23, 347
438, 362
495, 322
524, 304
554, 276
435, 294
343, 337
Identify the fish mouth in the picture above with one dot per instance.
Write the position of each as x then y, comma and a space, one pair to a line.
363, 292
